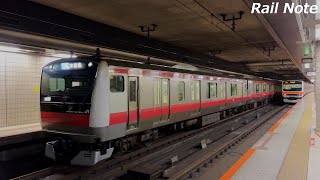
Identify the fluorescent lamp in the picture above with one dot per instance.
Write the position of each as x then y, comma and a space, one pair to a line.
64, 55
47, 98
9, 49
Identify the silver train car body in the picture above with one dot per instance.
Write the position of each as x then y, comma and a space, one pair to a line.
101, 105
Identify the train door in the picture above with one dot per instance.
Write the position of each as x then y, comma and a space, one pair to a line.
241, 90
133, 118
223, 93
161, 100
249, 88
257, 91
195, 95
165, 100
244, 91
157, 100
252, 90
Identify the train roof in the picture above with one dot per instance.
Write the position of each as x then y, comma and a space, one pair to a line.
133, 64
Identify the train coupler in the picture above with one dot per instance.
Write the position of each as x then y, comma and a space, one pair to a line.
56, 151
50, 150
90, 158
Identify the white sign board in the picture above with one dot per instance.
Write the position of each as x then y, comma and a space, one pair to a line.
306, 60
311, 73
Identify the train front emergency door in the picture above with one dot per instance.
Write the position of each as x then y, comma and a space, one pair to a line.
161, 101
133, 118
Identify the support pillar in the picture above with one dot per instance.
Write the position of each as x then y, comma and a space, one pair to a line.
317, 86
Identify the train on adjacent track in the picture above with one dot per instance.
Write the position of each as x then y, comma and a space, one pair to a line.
92, 106
294, 90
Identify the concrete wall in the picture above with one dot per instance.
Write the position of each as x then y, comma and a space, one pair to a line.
19, 87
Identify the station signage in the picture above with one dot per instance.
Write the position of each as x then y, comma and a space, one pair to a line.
306, 65
307, 60
311, 73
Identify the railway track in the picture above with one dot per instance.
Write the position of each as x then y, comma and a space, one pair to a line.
38, 174
192, 153
159, 158
206, 158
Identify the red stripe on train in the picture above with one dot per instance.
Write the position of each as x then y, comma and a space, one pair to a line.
184, 107
73, 119
118, 118
70, 119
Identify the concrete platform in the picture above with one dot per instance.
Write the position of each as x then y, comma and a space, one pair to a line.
22, 129
290, 149
20, 141
18, 134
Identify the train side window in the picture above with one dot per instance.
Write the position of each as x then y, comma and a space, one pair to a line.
116, 83
197, 89
156, 86
165, 93
234, 89
133, 94
271, 88
211, 90
264, 88
181, 91
257, 88
192, 90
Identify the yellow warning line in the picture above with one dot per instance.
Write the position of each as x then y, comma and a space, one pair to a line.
295, 165
237, 165
275, 126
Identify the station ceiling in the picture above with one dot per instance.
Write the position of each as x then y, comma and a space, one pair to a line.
198, 25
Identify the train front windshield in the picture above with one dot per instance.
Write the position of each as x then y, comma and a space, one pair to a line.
292, 86
68, 84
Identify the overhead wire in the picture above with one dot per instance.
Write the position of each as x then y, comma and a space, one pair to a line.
199, 15
222, 22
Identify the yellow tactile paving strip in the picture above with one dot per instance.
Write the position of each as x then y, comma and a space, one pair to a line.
295, 165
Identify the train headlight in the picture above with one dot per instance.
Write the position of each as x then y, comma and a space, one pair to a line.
47, 98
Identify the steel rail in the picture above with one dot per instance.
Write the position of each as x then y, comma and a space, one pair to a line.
208, 157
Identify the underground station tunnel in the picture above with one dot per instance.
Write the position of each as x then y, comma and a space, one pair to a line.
171, 89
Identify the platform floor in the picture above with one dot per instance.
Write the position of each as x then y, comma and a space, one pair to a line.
18, 130
289, 150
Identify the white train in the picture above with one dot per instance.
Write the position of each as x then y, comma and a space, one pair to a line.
93, 106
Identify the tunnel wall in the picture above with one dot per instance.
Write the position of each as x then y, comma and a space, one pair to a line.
19, 87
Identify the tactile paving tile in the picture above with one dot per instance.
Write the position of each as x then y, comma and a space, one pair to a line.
266, 162
295, 165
